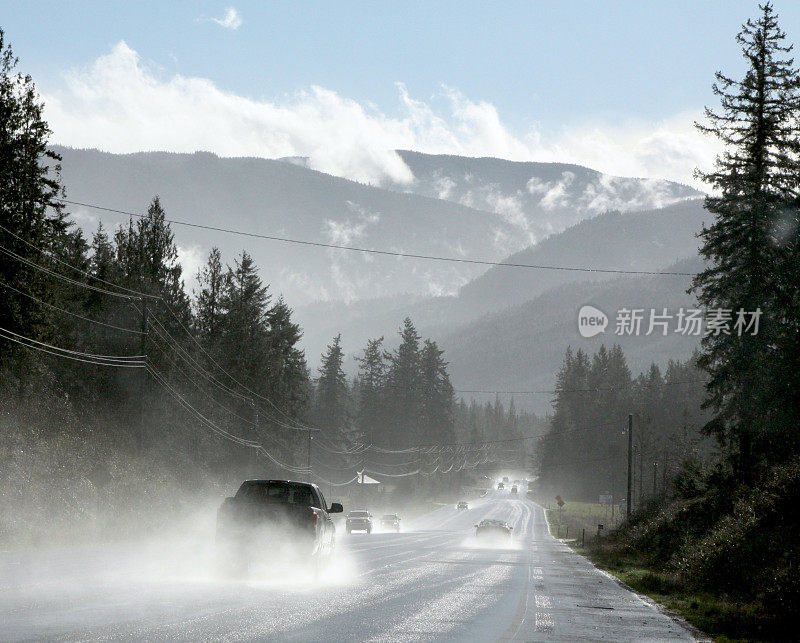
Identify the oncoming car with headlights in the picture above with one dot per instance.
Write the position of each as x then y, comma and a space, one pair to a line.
359, 520
493, 531
391, 522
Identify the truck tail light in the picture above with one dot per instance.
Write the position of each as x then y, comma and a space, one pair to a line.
314, 517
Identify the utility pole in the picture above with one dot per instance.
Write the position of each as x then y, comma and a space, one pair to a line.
655, 473
641, 471
143, 379
308, 464
630, 467
419, 468
257, 436
614, 497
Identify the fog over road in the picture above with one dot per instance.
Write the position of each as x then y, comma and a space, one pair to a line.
433, 581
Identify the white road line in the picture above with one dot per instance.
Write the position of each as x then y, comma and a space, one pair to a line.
544, 622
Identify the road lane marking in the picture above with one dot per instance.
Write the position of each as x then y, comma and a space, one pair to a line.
544, 622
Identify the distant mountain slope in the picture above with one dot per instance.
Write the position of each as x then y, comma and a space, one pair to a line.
648, 240
522, 348
536, 198
286, 199
283, 199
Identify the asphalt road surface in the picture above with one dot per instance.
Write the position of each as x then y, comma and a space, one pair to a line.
432, 581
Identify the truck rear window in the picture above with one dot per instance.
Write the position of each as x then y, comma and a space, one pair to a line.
283, 492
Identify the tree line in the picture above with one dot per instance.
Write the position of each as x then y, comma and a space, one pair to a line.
102, 345
584, 454
729, 528
403, 398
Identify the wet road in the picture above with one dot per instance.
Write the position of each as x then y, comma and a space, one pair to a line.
430, 582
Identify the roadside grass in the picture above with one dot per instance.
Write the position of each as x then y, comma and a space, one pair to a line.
721, 618
577, 518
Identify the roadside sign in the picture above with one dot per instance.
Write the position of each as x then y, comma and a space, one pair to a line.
559, 501
606, 499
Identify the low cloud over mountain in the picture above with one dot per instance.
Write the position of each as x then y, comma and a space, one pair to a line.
156, 109
536, 198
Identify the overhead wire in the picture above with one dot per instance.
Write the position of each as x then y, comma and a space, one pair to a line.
67, 312
64, 278
134, 294
209, 423
87, 358
166, 337
391, 253
110, 358
299, 426
137, 293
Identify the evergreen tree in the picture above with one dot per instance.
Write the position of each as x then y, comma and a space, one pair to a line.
147, 261
331, 399
585, 450
755, 181
287, 374
404, 388
437, 397
208, 301
30, 187
102, 264
370, 416
244, 302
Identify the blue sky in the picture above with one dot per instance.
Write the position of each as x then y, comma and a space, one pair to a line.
549, 71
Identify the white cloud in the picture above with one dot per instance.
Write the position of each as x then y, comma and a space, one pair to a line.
231, 19
120, 104
604, 193
191, 259
350, 284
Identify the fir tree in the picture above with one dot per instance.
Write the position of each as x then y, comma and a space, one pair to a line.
370, 416
208, 300
331, 399
755, 180
244, 302
403, 388
287, 374
437, 398
29, 191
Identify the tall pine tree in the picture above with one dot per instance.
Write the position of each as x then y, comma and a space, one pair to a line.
404, 389
331, 400
30, 210
755, 180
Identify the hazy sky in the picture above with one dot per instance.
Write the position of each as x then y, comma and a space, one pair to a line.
614, 85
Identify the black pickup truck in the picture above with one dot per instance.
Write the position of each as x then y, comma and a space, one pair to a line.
278, 519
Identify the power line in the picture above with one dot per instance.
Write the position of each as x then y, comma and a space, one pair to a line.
390, 253
219, 431
203, 391
66, 312
223, 407
136, 295
299, 426
210, 424
577, 390
293, 469
64, 278
117, 358
162, 332
76, 269
77, 356
337, 484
